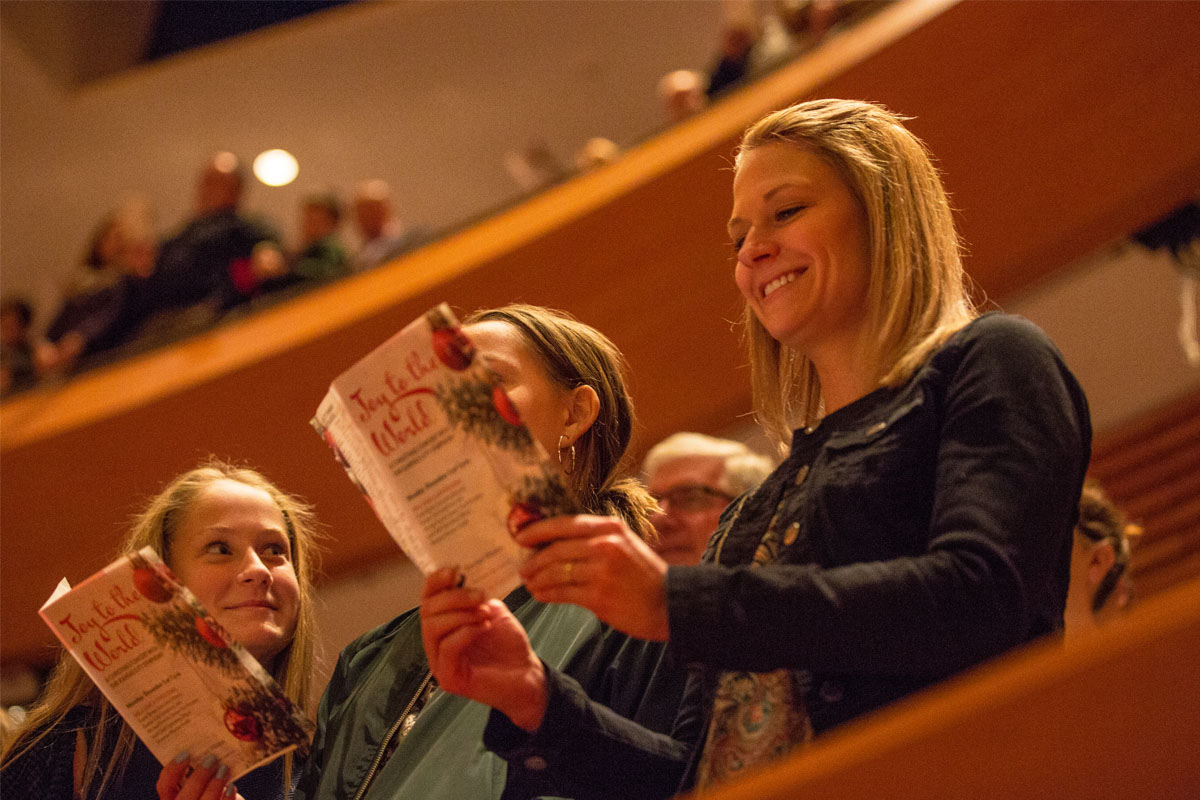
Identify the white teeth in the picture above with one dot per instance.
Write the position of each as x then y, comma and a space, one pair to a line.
782, 280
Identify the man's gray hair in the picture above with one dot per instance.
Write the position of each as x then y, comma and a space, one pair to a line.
744, 468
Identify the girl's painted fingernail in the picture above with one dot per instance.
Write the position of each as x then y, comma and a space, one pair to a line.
182, 757
208, 762
230, 790
222, 773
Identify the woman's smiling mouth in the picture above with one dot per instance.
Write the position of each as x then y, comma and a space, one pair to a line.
782, 280
253, 604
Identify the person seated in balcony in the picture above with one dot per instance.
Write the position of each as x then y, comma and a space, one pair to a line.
321, 258
535, 166
383, 235
99, 308
694, 477
732, 67
234, 539
754, 41
322, 255
385, 728
808, 22
18, 369
597, 152
682, 93
194, 276
1100, 588
919, 525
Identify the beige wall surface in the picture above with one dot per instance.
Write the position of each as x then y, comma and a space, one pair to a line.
429, 96
1115, 317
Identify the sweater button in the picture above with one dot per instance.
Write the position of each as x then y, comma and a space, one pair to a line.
536, 762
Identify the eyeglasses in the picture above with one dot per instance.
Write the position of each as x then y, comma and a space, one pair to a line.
692, 497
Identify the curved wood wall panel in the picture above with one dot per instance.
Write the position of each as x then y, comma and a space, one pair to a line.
1151, 469
1055, 137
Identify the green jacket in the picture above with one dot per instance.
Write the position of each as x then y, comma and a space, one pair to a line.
379, 676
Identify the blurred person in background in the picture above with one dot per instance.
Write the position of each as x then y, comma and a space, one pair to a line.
682, 93
198, 271
535, 166
321, 257
694, 477
739, 33
99, 311
809, 21
382, 233
1100, 588
597, 152
17, 361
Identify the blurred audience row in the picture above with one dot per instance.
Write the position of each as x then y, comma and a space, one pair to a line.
133, 289
756, 37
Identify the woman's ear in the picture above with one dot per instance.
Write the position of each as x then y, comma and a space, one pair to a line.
582, 410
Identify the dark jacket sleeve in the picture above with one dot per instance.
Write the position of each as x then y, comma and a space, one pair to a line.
328, 751
334, 695
1012, 443
591, 751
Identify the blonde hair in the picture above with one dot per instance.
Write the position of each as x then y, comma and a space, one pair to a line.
917, 295
69, 686
575, 354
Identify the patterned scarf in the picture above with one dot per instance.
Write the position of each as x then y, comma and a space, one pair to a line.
757, 717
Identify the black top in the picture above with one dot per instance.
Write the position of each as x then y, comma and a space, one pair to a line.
47, 771
199, 262
927, 528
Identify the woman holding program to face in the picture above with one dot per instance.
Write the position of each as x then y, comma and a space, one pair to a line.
385, 728
245, 549
920, 523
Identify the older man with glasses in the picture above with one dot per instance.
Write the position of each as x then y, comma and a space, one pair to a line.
694, 477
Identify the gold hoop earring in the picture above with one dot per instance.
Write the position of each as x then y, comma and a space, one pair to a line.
566, 471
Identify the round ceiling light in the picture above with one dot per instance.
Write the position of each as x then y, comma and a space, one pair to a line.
276, 167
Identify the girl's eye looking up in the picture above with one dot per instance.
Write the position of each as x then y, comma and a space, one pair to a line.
279, 550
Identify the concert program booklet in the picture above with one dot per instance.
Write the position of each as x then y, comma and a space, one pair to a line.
174, 674
427, 433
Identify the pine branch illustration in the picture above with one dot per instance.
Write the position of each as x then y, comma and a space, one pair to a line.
175, 629
470, 405
547, 493
267, 717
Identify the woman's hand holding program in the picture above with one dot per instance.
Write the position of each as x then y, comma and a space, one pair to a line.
477, 649
208, 779
602, 565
